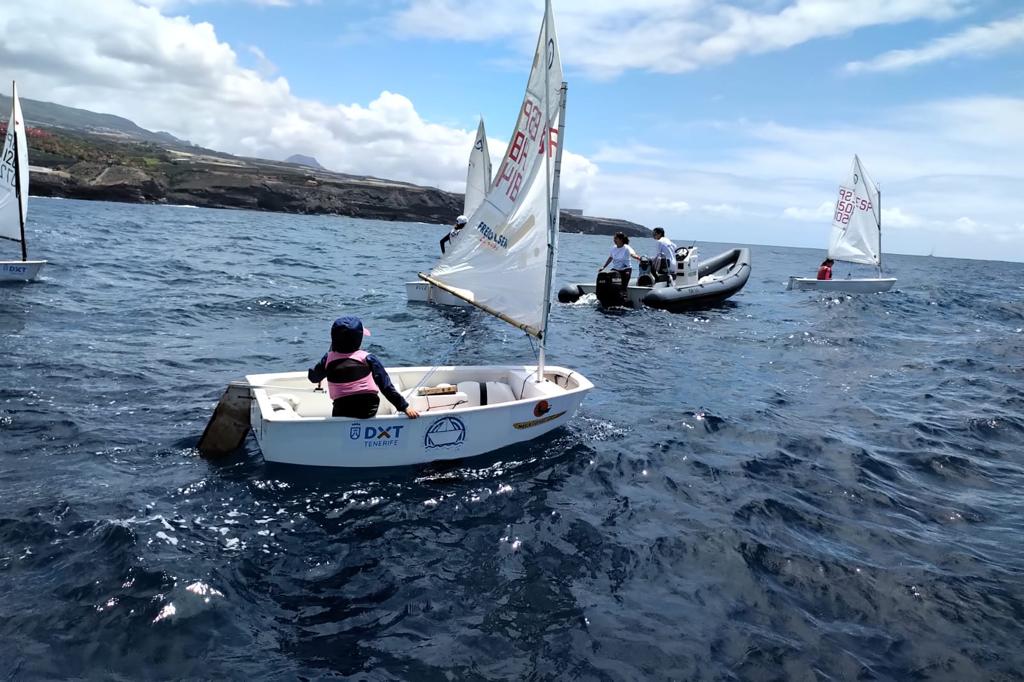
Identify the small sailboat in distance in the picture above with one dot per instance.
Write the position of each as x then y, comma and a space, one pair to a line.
14, 194
503, 265
478, 182
478, 174
856, 237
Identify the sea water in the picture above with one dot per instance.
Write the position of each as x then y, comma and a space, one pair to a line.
789, 486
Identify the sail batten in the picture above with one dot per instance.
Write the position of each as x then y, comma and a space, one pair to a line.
502, 255
857, 221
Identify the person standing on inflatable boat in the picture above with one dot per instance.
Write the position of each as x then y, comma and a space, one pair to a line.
619, 258
354, 377
665, 257
460, 223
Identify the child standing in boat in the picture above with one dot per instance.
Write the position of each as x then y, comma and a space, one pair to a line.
354, 377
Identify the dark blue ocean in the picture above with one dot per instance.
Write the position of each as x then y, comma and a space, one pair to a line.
787, 487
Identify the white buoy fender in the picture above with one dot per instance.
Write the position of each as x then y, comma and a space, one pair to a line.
229, 424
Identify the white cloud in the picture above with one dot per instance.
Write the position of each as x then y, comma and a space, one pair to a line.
897, 217
265, 67
168, 73
670, 206
965, 225
820, 214
634, 154
974, 41
722, 209
608, 37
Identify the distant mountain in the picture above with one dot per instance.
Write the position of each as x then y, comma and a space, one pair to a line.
304, 160
50, 115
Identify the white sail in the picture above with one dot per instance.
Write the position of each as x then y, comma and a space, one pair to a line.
857, 222
478, 176
501, 261
14, 174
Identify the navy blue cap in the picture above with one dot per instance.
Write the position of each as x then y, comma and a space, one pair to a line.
347, 334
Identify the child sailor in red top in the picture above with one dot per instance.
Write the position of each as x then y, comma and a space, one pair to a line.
354, 377
825, 269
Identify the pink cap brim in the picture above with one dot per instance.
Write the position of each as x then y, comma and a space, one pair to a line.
366, 332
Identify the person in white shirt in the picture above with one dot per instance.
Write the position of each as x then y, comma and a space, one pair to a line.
460, 224
619, 258
665, 257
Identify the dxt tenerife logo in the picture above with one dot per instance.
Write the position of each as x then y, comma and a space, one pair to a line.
376, 436
446, 432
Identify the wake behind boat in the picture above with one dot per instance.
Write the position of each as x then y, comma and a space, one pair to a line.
463, 411
856, 238
14, 195
697, 286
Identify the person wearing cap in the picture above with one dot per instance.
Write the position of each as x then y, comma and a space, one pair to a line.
354, 377
460, 223
665, 257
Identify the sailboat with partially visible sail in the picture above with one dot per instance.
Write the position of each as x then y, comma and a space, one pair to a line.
14, 194
478, 182
478, 174
502, 265
856, 236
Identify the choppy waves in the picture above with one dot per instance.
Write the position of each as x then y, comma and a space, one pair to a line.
789, 487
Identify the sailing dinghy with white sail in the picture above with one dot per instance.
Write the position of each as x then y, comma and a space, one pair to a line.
504, 266
14, 195
478, 174
856, 237
478, 181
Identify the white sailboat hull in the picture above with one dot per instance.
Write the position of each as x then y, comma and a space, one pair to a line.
423, 292
869, 285
293, 424
20, 270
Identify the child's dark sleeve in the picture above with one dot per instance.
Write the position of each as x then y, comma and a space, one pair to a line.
445, 239
383, 381
318, 372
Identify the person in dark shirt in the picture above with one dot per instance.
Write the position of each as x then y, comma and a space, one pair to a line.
460, 223
354, 377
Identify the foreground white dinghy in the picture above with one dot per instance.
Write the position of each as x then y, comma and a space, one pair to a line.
856, 237
469, 411
504, 266
14, 195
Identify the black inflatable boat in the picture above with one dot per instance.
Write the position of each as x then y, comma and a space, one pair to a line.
712, 282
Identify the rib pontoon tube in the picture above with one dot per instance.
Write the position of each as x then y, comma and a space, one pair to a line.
723, 276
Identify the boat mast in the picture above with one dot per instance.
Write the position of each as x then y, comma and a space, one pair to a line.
551, 193
878, 190
12, 129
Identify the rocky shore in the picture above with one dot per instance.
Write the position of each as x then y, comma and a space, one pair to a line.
77, 167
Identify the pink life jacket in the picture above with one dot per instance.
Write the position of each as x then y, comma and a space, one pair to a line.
348, 374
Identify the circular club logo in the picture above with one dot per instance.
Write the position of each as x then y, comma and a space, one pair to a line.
446, 432
541, 408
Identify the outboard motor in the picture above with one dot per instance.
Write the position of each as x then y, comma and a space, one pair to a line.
609, 290
646, 276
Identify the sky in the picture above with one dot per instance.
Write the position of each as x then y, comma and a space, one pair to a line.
728, 121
